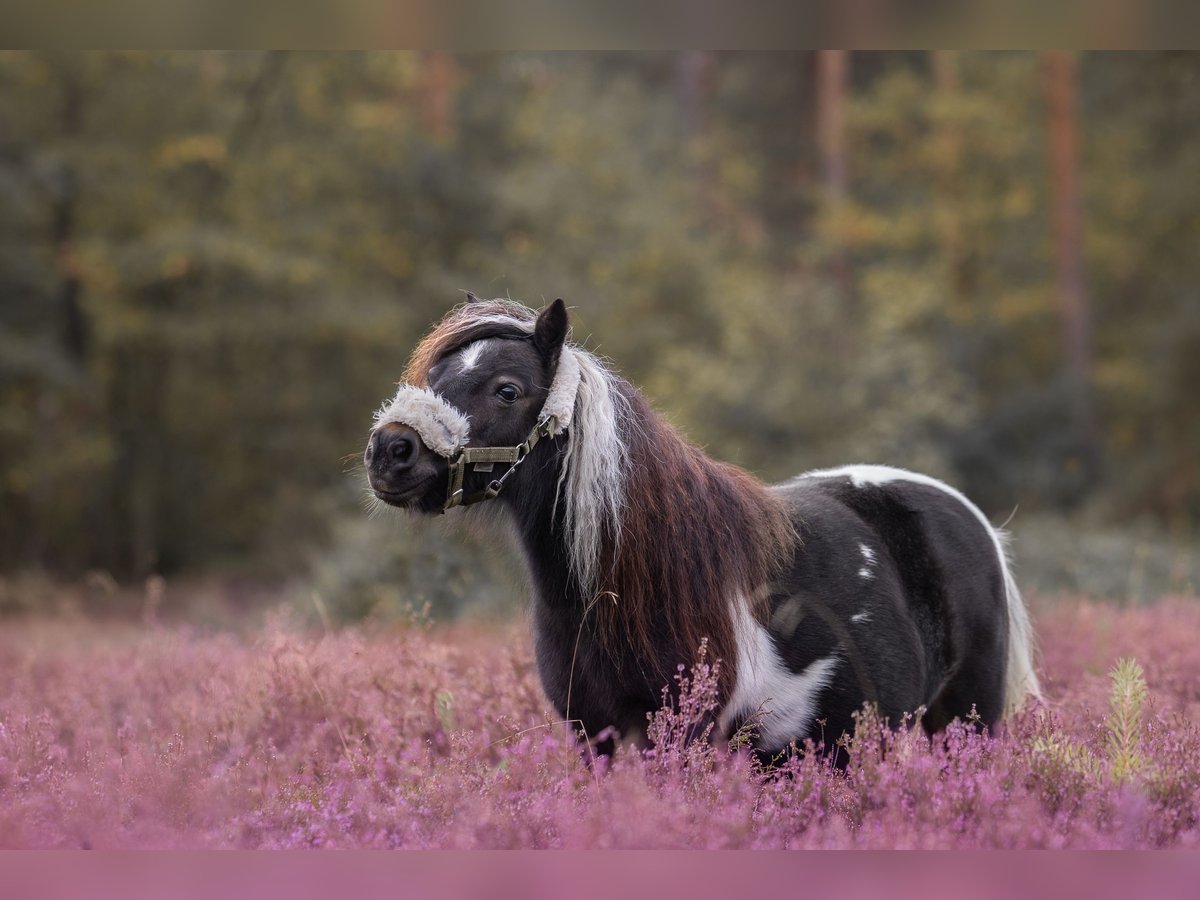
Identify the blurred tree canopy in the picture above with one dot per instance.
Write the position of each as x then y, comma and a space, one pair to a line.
213, 267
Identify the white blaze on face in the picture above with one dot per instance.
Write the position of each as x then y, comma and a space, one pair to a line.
469, 356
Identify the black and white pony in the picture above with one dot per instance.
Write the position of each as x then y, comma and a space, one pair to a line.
839, 587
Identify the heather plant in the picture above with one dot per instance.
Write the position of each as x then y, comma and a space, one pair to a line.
438, 736
687, 717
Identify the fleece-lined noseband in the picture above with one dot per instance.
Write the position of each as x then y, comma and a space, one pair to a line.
446, 430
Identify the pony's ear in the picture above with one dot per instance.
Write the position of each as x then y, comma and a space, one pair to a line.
551, 330
471, 298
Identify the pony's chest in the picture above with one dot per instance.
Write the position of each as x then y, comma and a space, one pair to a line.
593, 676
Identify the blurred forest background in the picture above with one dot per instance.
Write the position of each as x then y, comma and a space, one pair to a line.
214, 265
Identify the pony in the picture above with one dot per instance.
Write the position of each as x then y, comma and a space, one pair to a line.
838, 588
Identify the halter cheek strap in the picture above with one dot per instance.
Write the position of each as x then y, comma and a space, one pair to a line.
483, 458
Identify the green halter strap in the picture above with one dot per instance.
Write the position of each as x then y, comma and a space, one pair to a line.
483, 458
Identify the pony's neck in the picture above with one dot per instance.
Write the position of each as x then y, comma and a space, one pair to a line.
540, 526
694, 537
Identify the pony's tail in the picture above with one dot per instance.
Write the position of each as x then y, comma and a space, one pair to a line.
1020, 679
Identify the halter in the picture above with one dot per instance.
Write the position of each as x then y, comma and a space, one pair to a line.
484, 458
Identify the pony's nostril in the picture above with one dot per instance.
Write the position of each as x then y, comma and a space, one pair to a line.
402, 450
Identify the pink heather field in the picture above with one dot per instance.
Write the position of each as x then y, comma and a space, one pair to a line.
116, 736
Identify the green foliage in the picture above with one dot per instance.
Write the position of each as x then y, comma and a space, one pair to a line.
1059, 756
1124, 723
386, 566
1060, 759
213, 266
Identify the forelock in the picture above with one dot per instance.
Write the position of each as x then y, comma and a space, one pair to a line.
464, 325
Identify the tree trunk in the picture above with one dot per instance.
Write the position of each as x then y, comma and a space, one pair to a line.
950, 219
436, 93
694, 73
63, 204
254, 100
693, 84
833, 68
1061, 79
137, 404
53, 416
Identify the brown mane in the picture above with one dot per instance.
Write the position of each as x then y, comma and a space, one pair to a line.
466, 324
695, 536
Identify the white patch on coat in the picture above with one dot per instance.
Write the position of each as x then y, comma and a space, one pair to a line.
860, 618
1020, 679
868, 556
787, 700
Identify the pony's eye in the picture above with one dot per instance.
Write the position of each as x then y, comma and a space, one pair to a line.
508, 393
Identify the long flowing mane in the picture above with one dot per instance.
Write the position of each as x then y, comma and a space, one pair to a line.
695, 535
660, 537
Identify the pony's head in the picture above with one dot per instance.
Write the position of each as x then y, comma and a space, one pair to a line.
487, 376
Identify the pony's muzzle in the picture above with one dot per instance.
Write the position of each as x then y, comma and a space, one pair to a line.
400, 468
391, 450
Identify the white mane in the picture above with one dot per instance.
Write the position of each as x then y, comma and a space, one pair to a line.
594, 466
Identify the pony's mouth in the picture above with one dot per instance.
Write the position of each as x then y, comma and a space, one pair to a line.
417, 495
